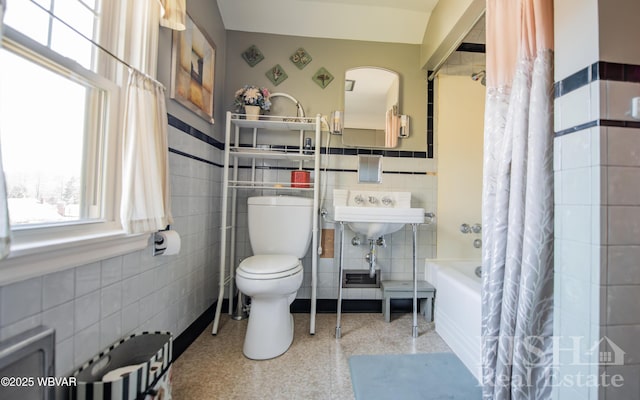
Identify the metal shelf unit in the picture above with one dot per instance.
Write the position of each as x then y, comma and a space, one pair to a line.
233, 152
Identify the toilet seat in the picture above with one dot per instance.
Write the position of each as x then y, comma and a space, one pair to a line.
269, 266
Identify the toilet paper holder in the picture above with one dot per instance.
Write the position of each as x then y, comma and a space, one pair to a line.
158, 240
159, 245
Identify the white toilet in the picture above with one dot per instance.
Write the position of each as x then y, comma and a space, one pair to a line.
280, 233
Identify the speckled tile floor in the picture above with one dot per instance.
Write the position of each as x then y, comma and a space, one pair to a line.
314, 368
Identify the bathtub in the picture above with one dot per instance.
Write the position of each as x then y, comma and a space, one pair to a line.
457, 308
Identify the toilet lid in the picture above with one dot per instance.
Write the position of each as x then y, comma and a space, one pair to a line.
269, 264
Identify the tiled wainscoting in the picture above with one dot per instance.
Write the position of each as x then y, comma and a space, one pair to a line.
597, 224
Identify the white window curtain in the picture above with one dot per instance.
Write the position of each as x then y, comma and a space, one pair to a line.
146, 205
141, 50
5, 228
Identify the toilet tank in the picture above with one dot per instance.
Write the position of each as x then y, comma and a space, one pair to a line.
280, 224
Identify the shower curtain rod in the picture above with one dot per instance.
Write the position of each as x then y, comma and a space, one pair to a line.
99, 46
452, 49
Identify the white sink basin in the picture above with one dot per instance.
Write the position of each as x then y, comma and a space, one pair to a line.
374, 214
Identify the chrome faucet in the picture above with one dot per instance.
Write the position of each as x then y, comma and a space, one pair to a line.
466, 228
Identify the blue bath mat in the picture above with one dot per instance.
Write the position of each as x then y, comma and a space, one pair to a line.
412, 376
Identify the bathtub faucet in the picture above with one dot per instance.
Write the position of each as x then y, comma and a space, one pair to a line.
466, 228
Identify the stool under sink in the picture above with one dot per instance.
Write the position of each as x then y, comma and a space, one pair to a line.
404, 290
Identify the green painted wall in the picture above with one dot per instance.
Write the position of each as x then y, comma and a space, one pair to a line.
336, 56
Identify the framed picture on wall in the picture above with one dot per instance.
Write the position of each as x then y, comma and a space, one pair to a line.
193, 57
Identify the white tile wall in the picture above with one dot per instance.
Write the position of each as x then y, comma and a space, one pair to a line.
576, 188
622, 305
20, 300
626, 338
58, 319
623, 148
576, 222
624, 225
87, 279
575, 260
86, 310
585, 104
623, 184
574, 108
58, 288
576, 150
86, 344
628, 386
619, 95
623, 265
597, 231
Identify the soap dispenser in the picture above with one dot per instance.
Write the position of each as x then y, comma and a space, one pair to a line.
307, 146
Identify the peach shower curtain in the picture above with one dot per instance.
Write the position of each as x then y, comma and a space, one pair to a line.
517, 253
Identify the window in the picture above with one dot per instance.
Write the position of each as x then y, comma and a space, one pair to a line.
33, 18
59, 129
52, 149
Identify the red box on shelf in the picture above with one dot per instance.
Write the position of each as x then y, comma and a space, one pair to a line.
300, 179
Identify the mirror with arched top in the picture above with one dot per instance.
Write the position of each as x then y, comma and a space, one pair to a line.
371, 93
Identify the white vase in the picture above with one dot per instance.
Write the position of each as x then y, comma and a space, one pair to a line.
252, 112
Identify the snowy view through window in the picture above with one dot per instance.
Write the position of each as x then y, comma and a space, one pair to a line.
47, 115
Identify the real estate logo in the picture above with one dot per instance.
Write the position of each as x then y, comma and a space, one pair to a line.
557, 367
608, 352
603, 352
